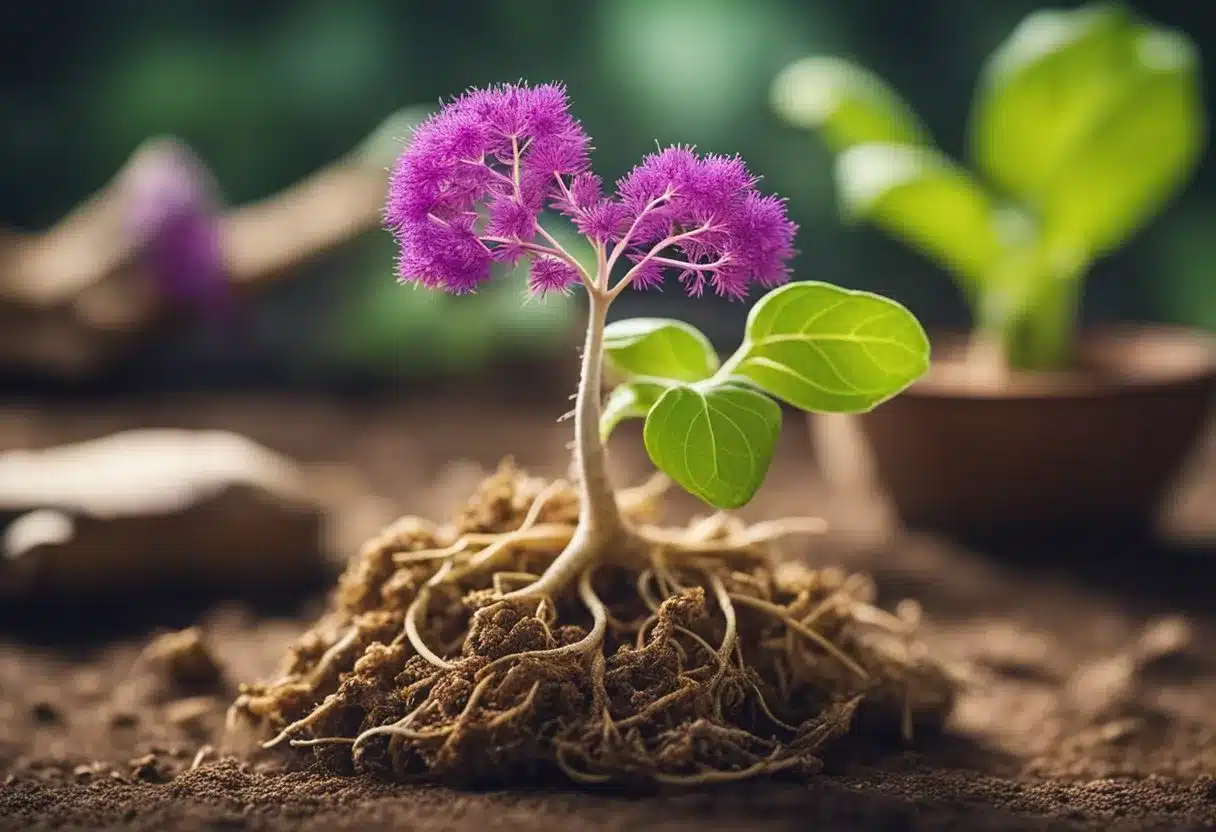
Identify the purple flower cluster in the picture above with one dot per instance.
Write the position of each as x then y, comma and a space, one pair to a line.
470, 187
723, 230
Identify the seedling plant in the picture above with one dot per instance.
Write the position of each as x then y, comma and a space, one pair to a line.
559, 624
1085, 123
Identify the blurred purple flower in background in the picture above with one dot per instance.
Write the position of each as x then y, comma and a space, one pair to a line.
171, 208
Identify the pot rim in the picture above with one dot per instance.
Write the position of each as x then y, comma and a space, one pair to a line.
1116, 360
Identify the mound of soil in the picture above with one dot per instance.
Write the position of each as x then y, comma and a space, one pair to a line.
1091, 670
696, 658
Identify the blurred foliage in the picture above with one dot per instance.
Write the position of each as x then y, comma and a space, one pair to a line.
267, 92
1085, 124
1184, 287
404, 331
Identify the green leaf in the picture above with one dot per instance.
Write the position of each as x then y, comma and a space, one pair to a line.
848, 104
1094, 119
659, 347
1138, 154
825, 349
1042, 90
631, 400
715, 439
923, 198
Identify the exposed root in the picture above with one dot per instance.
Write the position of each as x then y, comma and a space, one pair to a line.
201, 755
416, 611
695, 657
314, 716
782, 615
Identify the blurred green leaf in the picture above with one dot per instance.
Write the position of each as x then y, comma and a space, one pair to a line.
1041, 92
659, 347
1094, 119
846, 103
409, 330
925, 199
1137, 155
825, 349
716, 439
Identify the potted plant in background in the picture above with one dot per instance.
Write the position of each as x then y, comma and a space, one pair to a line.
1085, 123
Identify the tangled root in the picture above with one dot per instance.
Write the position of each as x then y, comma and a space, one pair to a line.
710, 662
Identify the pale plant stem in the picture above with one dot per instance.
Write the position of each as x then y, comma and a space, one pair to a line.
624, 282
532, 247
515, 166
561, 183
600, 523
598, 500
620, 247
694, 267
601, 265
582, 270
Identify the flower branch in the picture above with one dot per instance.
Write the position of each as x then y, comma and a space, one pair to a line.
623, 243
653, 256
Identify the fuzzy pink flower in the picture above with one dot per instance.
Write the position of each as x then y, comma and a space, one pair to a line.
504, 149
707, 212
469, 190
549, 274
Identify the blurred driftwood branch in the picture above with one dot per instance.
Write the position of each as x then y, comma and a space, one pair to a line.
74, 297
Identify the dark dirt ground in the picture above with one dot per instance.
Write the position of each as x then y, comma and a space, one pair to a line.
1091, 702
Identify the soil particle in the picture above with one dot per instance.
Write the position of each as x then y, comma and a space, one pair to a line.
192, 715
185, 661
44, 712
88, 739
148, 768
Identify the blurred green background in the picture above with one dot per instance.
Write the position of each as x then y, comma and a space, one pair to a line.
267, 92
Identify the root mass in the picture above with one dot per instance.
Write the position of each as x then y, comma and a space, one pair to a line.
686, 656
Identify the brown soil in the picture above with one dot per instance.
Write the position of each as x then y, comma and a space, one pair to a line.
696, 658
1089, 704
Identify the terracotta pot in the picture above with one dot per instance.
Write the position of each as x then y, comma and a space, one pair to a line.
1097, 447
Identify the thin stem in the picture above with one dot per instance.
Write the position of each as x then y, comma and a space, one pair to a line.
557, 250
1042, 339
515, 166
601, 265
561, 183
600, 522
582, 270
598, 509
1027, 316
532, 247
624, 282
621, 245
501, 177
692, 267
